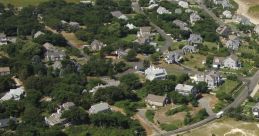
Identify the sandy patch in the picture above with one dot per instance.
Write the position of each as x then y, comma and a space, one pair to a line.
244, 7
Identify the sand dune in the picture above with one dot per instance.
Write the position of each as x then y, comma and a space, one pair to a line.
244, 7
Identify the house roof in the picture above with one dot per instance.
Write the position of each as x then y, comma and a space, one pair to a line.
163, 10
145, 29
156, 98
2, 35
68, 105
48, 46
55, 118
116, 13
102, 106
184, 87
37, 34
5, 122
4, 69
195, 38
218, 60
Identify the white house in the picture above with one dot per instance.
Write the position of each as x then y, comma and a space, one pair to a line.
232, 62
37, 34
162, 10
212, 78
14, 94
183, 4
155, 73
100, 107
227, 14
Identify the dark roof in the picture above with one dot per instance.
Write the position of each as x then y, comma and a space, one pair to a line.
5, 122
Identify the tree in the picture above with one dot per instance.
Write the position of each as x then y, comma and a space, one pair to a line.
6, 83
209, 61
131, 56
146, 63
155, 57
202, 87
131, 81
76, 115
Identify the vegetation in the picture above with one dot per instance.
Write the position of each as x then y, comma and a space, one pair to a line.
150, 115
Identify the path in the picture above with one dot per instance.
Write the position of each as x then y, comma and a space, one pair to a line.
205, 103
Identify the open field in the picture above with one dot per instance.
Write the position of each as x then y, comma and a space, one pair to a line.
22, 3
229, 86
226, 127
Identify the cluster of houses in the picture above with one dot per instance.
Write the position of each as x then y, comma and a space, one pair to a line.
56, 117
177, 55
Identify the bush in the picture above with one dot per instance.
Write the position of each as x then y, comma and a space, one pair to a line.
176, 110
150, 115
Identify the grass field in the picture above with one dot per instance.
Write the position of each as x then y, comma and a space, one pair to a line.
254, 10
23, 3
226, 127
229, 86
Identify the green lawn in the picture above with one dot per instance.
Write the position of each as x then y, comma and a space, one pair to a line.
129, 38
172, 126
19, 3
229, 86
254, 10
194, 60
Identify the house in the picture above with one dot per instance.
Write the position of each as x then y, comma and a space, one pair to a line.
48, 46
194, 17
55, 55
255, 110
227, 14
14, 94
156, 100
183, 4
97, 45
37, 34
189, 49
212, 78
174, 56
143, 35
5, 122
242, 19
130, 26
218, 62
223, 3
99, 86
73, 26
4, 71
223, 30
119, 15
233, 43
121, 53
178, 11
195, 39
55, 118
256, 29
100, 107
162, 10
182, 25
186, 89
155, 73
3, 39
232, 62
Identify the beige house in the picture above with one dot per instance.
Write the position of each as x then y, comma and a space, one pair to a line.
156, 100
4, 71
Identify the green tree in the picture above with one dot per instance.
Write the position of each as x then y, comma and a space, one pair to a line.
131, 81
131, 56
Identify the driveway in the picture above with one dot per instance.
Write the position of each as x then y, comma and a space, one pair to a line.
204, 102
